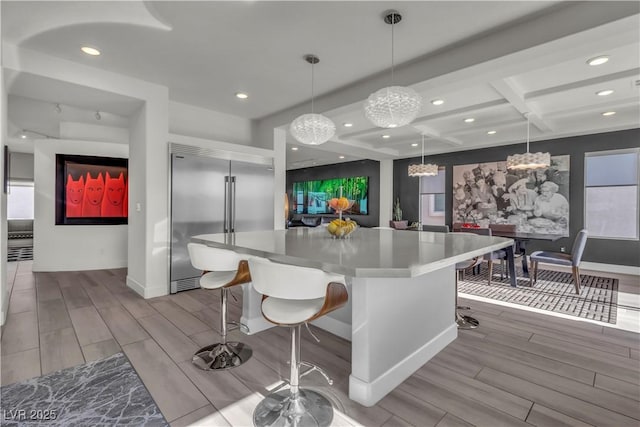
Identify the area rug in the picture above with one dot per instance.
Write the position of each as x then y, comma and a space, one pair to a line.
19, 253
106, 392
554, 291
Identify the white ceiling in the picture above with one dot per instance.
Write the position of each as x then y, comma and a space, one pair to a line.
206, 51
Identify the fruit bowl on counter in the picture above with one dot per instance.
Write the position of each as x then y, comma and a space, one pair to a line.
341, 229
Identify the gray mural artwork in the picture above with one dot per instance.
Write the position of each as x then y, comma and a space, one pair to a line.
535, 201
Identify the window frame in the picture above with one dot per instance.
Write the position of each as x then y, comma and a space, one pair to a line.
584, 204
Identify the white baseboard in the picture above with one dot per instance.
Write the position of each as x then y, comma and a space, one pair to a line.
610, 268
40, 268
336, 327
146, 292
369, 393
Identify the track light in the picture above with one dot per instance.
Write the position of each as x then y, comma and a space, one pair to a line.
58, 108
98, 116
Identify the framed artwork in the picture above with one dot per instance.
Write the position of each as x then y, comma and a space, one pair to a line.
535, 201
91, 190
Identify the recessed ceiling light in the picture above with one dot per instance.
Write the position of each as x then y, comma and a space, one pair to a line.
437, 102
415, 144
23, 136
604, 92
469, 120
294, 148
492, 132
341, 157
347, 125
90, 50
241, 95
386, 136
608, 113
598, 60
392, 125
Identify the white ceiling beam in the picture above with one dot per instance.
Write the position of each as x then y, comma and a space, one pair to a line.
432, 133
626, 74
515, 97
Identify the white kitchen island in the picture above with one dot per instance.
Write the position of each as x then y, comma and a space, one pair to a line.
402, 291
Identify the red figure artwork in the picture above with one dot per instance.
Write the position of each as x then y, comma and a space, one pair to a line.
75, 196
125, 201
93, 192
114, 191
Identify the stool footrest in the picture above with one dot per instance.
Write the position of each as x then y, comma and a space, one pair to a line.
312, 367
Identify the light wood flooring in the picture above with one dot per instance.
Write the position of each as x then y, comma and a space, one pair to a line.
517, 368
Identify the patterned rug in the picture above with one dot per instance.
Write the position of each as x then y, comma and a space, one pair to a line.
106, 392
19, 253
554, 291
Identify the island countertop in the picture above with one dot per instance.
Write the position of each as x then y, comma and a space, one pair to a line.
366, 253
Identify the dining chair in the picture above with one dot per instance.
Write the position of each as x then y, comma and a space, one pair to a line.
560, 258
500, 254
436, 228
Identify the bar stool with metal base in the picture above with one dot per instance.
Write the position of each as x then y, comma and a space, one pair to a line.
463, 321
293, 296
222, 270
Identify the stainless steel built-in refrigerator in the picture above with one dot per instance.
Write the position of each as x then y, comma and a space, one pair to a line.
213, 195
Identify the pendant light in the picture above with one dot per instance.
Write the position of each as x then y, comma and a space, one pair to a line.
392, 106
422, 169
529, 161
312, 129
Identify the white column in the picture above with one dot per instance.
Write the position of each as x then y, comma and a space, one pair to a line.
386, 191
279, 177
4, 295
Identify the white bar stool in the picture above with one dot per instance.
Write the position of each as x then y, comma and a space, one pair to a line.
222, 269
294, 296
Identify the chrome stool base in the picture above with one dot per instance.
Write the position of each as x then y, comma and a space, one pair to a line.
466, 322
281, 410
222, 356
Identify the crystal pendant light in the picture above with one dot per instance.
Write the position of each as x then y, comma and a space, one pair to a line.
392, 106
422, 169
529, 161
312, 129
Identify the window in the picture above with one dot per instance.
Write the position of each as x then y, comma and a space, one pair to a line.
20, 200
611, 194
432, 199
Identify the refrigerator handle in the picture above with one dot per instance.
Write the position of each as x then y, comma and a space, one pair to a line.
226, 204
233, 204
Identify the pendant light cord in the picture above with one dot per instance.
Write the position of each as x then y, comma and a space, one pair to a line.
312, 78
528, 127
393, 23
423, 149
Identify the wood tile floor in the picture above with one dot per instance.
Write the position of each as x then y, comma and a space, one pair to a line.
517, 368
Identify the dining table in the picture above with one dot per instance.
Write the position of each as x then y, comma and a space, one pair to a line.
401, 284
521, 240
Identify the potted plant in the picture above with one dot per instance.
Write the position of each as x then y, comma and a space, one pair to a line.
398, 223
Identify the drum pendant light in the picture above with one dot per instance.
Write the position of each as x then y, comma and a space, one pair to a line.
422, 169
312, 129
529, 161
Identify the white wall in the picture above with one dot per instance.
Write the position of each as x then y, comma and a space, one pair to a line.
21, 166
199, 122
4, 294
91, 132
72, 247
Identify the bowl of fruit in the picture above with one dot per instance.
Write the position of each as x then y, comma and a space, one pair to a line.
341, 228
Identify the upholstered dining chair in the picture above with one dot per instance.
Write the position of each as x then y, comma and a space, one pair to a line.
222, 269
560, 258
436, 228
294, 296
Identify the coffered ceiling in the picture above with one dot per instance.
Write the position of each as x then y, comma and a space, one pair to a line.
490, 61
